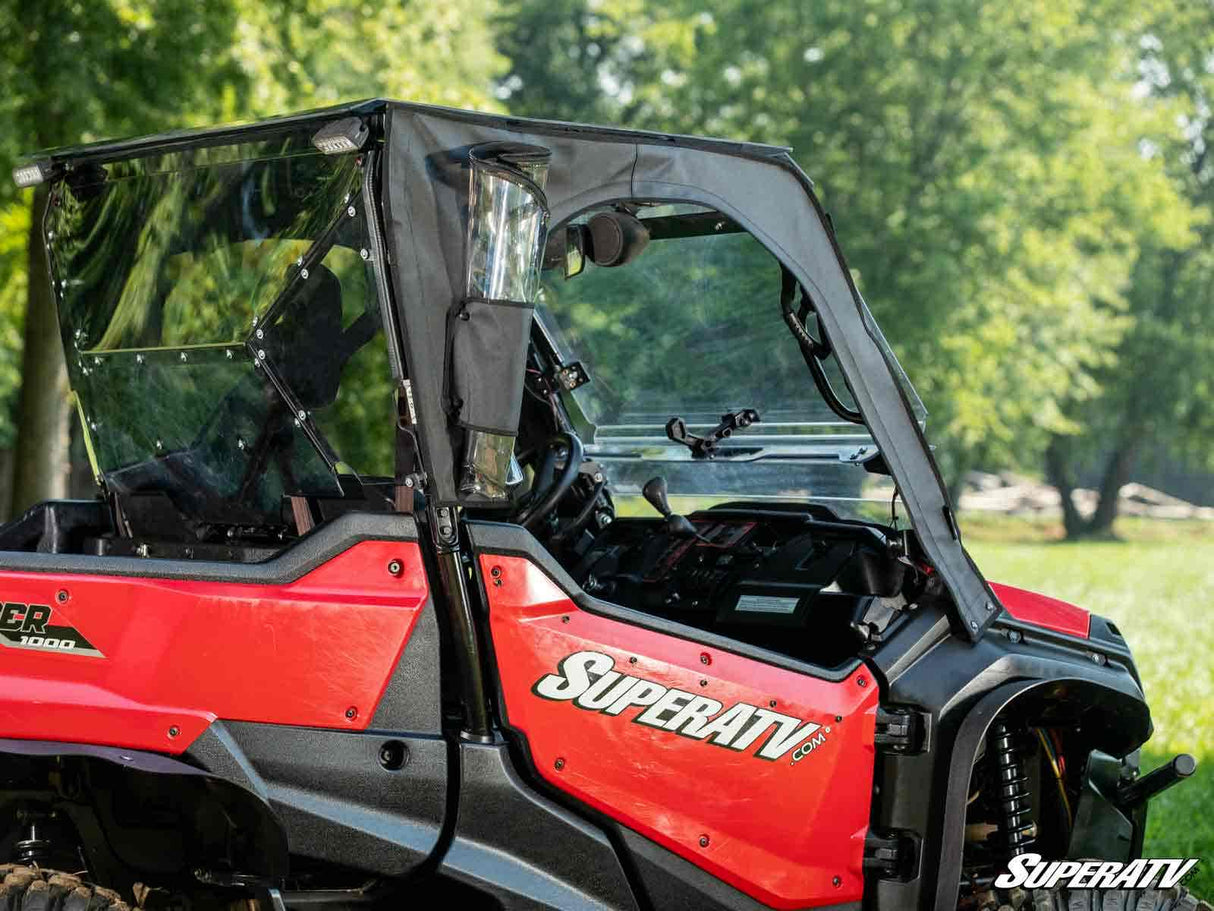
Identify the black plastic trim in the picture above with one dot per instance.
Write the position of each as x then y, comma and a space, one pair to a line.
525, 850
335, 798
675, 883
512, 540
311, 551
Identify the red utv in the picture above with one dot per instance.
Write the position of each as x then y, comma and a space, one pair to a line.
521, 515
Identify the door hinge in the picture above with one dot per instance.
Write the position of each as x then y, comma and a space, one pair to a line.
901, 730
890, 855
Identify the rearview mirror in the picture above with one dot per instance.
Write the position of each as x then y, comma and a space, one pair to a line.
566, 250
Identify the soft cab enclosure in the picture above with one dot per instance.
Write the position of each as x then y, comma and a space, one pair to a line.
359, 386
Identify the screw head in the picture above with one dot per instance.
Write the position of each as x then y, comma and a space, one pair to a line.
632, 660
559, 764
772, 703
837, 882
351, 713
395, 567
495, 571
61, 595
838, 718
174, 730
861, 681
705, 658
703, 682
703, 841
565, 618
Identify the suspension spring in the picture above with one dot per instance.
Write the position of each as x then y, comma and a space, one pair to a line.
1012, 786
34, 848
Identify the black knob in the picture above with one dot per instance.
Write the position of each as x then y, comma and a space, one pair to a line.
654, 492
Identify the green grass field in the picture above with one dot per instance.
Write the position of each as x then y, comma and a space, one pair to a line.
1157, 585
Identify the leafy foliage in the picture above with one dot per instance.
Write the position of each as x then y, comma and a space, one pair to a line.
983, 161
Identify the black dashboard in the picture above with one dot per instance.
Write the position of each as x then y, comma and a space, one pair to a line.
759, 575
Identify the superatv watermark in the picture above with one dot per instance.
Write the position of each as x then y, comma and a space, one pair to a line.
1031, 871
589, 681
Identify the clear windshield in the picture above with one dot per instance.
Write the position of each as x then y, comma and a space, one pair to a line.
692, 328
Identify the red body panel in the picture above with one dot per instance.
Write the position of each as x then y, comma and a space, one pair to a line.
1042, 610
790, 834
178, 654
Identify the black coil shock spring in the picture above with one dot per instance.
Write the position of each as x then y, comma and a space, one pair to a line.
1012, 784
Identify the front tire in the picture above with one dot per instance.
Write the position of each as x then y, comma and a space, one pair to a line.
34, 889
1177, 899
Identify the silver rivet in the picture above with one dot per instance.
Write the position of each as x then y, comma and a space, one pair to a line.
228, 354
303, 274
138, 358
298, 262
261, 355
297, 422
973, 624
989, 607
96, 362
408, 482
301, 414
184, 357
363, 253
351, 211
259, 333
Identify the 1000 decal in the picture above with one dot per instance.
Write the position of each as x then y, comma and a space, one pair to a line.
29, 626
590, 682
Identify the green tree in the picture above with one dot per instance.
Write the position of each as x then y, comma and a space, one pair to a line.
981, 161
1157, 394
78, 71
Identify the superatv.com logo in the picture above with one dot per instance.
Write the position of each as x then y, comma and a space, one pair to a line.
1031, 871
589, 681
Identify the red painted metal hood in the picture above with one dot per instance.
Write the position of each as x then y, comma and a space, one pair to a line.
1042, 610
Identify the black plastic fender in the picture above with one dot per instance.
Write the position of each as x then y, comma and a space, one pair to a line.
1125, 720
224, 828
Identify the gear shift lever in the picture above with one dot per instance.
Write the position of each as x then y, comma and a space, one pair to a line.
654, 492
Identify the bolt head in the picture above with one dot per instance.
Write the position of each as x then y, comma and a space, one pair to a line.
837, 882
559, 764
703, 841
351, 713
705, 658
174, 730
395, 567
61, 596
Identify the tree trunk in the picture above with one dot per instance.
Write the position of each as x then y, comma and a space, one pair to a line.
1116, 475
1058, 471
40, 457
